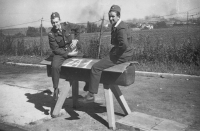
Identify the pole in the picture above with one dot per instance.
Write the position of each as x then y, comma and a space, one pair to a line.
41, 41
187, 21
192, 19
100, 37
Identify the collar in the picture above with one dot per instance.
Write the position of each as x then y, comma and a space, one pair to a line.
63, 26
119, 21
56, 32
59, 31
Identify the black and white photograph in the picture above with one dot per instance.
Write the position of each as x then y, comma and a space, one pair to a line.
100, 65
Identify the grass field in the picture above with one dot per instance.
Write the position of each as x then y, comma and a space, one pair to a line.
174, 50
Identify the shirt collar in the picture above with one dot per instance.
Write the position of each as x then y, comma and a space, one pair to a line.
117, 23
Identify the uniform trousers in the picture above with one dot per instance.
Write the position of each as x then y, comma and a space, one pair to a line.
97, 68
55, 69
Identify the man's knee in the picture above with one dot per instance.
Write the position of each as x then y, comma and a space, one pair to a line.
96, 68
55, 67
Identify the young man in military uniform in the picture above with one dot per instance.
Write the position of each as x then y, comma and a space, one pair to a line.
63, 44
120, 53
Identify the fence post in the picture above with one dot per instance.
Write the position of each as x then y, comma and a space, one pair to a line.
1, 42
16, 48
187, 21
41, 41
100, 37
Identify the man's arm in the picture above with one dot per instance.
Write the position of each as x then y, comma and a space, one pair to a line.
76, 29
55, 48
122, 40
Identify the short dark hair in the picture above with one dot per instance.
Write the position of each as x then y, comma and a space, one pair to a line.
117, 13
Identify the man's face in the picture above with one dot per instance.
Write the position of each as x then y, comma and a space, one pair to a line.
55, 23
113, 17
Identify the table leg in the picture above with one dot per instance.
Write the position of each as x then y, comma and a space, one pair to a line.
61, 99
120, 98
75, 93
109, 107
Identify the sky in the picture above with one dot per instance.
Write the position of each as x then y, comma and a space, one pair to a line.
16, 13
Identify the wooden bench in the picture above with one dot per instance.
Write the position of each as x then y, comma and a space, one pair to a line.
78, 69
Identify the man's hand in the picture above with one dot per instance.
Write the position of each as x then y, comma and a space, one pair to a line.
73, 53
73, 44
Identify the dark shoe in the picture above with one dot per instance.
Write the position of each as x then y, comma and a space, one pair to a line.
55, 93
88, 98
86, 87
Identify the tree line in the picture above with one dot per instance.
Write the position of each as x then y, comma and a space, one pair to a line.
90, 28
93, 27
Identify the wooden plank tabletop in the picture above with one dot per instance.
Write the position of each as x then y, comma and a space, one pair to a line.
85, 63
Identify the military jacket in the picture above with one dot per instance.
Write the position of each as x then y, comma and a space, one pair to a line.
59, 41
120, 38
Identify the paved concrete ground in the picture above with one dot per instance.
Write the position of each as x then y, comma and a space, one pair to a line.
23, 102
26, 100
16, 106
144, 122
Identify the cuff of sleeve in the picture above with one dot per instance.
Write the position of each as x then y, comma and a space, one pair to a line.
76, 40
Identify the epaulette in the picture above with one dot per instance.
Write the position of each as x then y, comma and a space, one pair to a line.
65, 23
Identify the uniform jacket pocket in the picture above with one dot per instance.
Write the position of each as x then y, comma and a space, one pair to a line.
59, 41
67, 38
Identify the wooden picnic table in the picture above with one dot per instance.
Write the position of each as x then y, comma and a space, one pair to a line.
78, 69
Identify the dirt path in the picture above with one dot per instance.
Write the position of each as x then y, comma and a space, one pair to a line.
24, 102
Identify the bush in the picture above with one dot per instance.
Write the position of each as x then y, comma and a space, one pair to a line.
92, 27
19, 35
33, 32
161, 24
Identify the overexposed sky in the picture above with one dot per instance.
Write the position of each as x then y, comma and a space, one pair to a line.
16, 12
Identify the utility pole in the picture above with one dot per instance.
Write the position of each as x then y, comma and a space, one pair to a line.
41, 41
100, 36
192, 19
187, 21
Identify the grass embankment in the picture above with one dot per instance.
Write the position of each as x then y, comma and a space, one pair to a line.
145, 66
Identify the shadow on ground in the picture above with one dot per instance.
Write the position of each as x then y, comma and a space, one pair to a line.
45, 99
42, 99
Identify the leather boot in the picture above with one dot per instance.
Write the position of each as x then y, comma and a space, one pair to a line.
88, 98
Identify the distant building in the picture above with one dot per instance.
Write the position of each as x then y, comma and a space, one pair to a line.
169, 23
144, 26
153, 20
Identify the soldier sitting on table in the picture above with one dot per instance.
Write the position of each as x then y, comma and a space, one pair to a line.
120, 53
63, 45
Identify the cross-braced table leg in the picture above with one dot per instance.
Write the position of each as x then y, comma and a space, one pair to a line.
108, 90
120, 98
61, 99
109, 107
